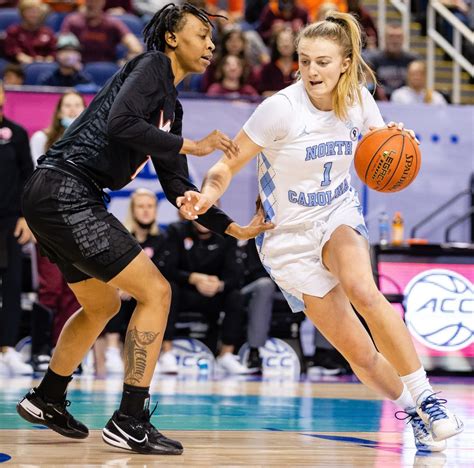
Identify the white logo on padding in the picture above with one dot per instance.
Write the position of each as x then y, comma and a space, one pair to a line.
440, 309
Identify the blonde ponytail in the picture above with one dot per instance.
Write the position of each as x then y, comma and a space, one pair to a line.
344, 29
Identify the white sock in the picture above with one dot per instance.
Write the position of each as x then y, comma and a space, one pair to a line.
417, 383
405, 400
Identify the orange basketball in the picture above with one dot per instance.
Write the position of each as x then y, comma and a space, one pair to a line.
387, 159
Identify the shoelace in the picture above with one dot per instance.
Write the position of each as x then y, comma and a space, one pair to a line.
147, 417
414, 419
434, 407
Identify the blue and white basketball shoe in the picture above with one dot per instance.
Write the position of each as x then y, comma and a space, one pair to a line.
424, 441
441, 423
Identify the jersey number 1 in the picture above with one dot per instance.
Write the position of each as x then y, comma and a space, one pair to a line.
327, 178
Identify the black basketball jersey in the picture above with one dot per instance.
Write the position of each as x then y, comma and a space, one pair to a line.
134, 118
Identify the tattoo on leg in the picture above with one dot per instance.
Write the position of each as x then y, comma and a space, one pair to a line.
135, 353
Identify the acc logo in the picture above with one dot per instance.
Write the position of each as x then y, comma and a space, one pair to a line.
191, 354
440, 309
278, 357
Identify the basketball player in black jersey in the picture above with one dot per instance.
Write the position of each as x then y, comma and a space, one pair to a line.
134, 118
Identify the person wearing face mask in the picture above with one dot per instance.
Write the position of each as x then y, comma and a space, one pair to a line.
56, 301
69, 71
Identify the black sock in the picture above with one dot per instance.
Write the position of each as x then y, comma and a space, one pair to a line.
134, 400
53, 386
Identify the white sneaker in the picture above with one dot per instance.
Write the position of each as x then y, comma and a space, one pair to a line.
423, 439
229, 363
113, 361
14, 362
168, 364
438, 419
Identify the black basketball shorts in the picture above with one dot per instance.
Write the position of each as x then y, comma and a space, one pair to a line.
73, 228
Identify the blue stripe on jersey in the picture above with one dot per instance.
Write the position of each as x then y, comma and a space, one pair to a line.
267, 186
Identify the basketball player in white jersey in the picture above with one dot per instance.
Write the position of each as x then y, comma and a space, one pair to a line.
305, 138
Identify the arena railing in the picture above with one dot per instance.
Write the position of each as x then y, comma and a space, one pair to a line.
404, 7
454, 50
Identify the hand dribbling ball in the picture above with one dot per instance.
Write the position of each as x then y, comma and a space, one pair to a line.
387, 159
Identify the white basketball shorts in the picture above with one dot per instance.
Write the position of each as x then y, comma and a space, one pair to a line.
292, 253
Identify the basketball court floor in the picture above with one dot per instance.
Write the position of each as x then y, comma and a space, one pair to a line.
332, 422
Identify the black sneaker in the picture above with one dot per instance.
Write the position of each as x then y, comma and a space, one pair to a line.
254, 361
138, 435
36, 410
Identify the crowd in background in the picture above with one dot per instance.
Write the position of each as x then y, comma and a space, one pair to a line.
80, 43
255, 56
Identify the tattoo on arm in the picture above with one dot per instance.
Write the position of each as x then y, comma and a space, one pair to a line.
214, 180
135, 354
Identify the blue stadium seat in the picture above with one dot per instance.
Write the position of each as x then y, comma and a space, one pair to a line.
34, 70
55, 21
3, 64
133, 22
101, 71
9, 16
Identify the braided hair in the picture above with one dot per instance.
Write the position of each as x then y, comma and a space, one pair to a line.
170, 19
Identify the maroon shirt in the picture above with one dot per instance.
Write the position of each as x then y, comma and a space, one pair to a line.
269, 16
217, 89
33, 43
99, 42
273, 79
125, 4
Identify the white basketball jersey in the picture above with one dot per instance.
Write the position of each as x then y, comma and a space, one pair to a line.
303, 170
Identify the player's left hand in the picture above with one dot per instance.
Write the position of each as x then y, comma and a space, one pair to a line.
22, 232
192, 204
400, 126
256, 226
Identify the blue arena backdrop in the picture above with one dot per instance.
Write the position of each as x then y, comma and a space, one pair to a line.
447, 145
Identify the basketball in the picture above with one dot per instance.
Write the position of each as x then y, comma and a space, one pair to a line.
387, 160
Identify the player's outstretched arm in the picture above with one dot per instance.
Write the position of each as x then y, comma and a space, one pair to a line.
216, 140
218, 178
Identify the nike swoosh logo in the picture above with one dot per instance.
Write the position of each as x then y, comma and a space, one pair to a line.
212, 247
27, 406
128, 436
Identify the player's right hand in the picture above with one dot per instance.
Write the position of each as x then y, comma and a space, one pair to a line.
192, 204
216, 140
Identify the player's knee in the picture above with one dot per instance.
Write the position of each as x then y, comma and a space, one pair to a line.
158, 292
364, 297
104, 305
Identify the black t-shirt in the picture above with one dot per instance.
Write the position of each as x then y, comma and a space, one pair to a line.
136, 116
16, 165
188, 252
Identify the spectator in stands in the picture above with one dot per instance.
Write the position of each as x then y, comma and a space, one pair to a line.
16, 166
390, 65
314, 7
8, 3
206, 274
141, 221
415, 91
366, 22
118, 7
69, 71
259, 292
253, 10
325, 9
233, 42
64, 6
54, 294
281, 71
279, 14
232, 78
13, 75
100, 33
30, 41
